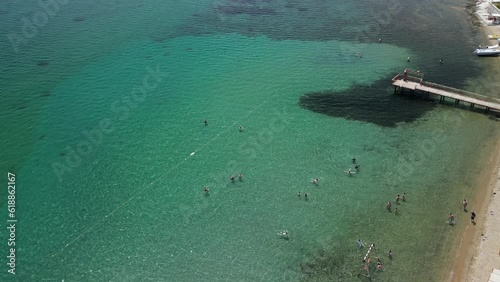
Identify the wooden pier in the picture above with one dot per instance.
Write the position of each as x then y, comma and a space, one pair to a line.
412, 81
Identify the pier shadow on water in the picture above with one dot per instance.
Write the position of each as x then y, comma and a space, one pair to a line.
375, 104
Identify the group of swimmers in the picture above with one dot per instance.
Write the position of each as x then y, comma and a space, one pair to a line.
232, 178
240, 177
356, 167
305, 195
389, 204
451, 217
367, 259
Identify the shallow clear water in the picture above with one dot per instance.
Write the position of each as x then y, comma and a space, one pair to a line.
110, 177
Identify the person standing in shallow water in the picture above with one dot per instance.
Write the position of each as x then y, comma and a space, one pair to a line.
404, 197
388, 206
397, 199
472, 217
451, 219
205, 122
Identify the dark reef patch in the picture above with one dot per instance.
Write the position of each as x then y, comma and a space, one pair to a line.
45, 93
251, 11
42, 63
79, 19
325, 265
405, 24
375, 103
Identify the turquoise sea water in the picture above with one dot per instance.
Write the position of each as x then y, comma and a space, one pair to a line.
103, 126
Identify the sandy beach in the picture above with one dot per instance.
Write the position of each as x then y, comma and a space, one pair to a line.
478, 252
479, 249
486, 246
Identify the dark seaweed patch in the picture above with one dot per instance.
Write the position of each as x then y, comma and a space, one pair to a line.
42, 63
374, 104
79, 19
45, 93
251, 11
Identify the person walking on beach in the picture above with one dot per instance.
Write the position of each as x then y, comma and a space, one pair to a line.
404, 197
451, 219
464, 204
472, 217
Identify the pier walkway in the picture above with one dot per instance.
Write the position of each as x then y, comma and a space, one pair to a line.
413, 82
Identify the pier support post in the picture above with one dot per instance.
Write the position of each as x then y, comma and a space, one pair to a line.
471, 106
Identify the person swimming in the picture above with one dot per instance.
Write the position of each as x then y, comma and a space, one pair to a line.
240, 176
284, 234
356, 167
241, 128
353, 160
451, 219
207, 190
232, 178
360, 244
350, 172
315, 180
205, 122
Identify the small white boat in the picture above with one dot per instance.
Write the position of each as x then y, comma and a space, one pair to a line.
483, 52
